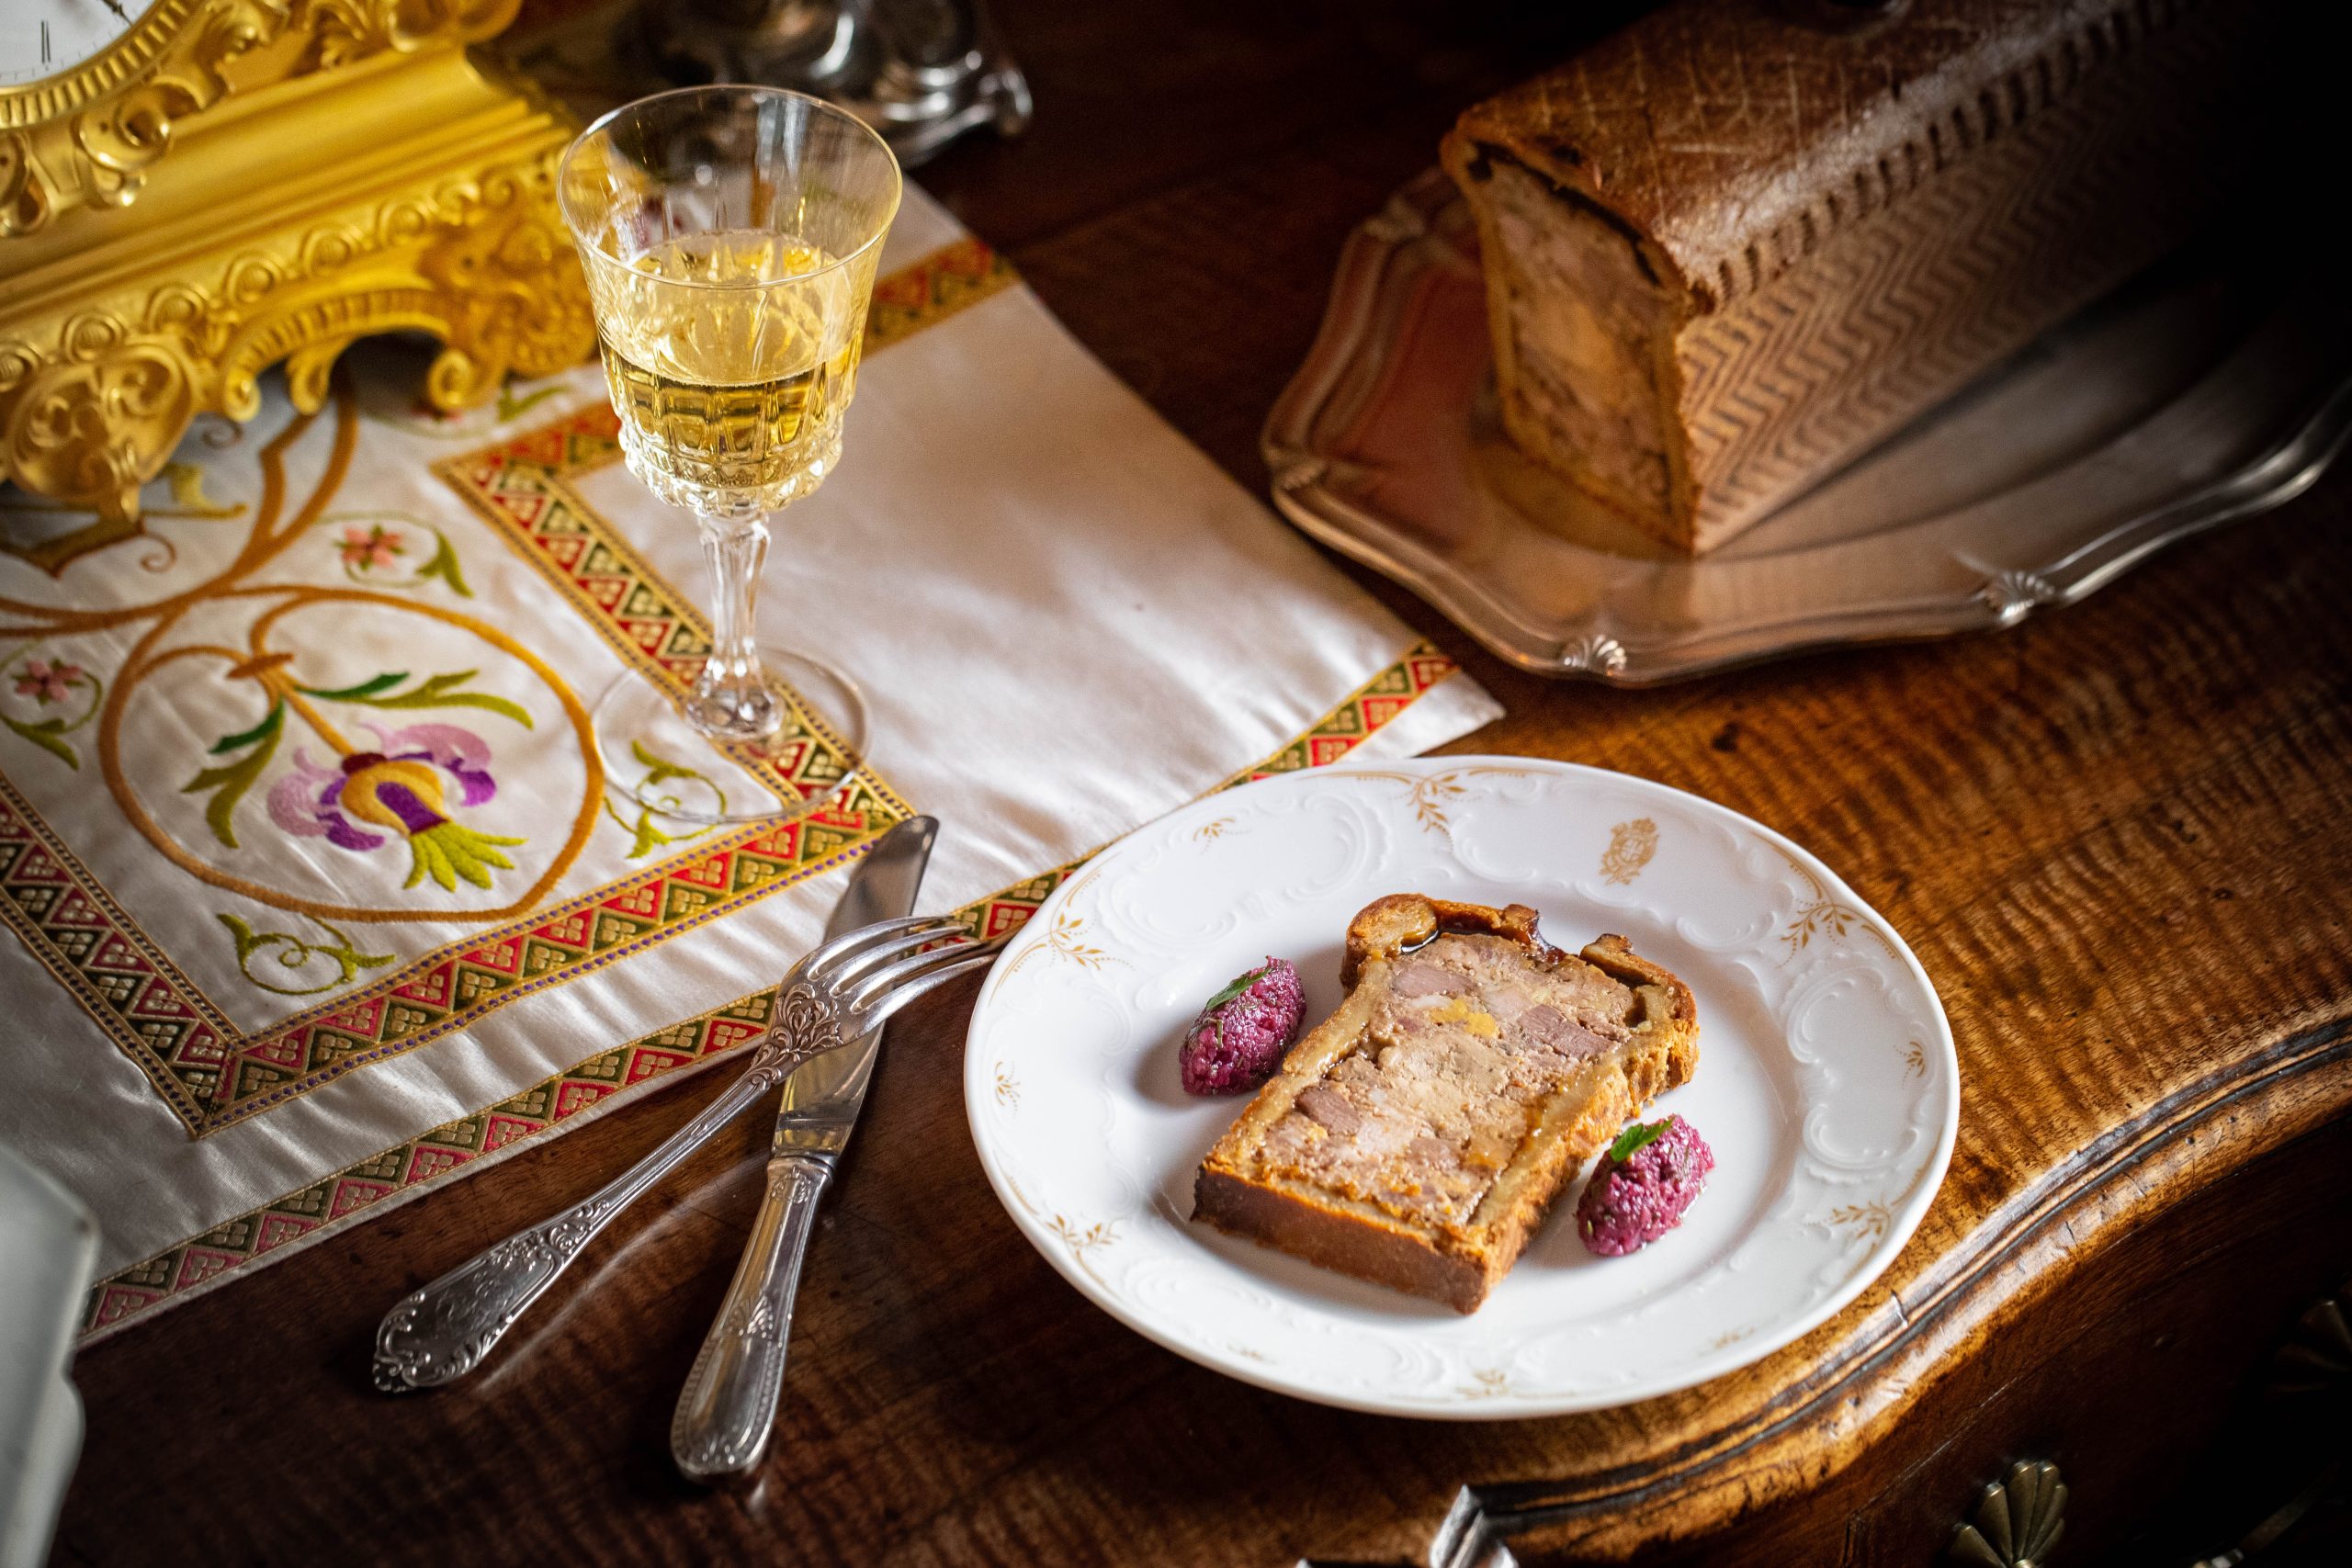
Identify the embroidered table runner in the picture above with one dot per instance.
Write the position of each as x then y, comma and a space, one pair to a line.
248, 1001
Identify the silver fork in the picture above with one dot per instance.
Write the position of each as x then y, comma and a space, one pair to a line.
836, 994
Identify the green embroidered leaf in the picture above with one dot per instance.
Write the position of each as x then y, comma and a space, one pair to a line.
661, 768
358, 693
229, 782
447, 850
48, 734
269, 722
242, 935
645, 838
348, 960
437, 692
443, 564
1637, 1136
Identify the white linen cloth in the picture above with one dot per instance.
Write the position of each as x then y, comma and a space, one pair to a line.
1066, 621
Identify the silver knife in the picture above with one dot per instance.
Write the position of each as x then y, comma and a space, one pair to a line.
442, 1331
729, 1404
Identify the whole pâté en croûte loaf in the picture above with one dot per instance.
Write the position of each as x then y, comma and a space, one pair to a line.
1417, 1136
1735, 245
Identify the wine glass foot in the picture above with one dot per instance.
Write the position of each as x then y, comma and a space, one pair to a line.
664, 779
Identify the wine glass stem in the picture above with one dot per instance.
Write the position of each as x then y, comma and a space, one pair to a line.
731, 700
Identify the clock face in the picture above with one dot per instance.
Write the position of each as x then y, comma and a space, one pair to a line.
42, 38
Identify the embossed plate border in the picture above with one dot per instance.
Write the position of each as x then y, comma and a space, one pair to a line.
1832, 1066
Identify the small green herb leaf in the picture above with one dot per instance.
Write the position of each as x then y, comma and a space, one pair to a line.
1233, 989
1634, 1138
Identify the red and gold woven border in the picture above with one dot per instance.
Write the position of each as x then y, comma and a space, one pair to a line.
72, 925
947, 280
403, 1170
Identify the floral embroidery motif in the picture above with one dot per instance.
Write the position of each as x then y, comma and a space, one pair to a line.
369, 547
52, 552
364, 549
286, 567
397, 787
51, 682
46, 683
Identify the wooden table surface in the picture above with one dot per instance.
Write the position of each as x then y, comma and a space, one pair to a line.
2115, 836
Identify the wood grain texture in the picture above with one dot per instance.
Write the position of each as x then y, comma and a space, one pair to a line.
2116, 837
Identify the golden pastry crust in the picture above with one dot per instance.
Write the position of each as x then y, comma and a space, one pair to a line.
1356, 1213
1734, 246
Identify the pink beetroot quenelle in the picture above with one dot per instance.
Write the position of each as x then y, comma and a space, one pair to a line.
1641, 1186
1239, 1037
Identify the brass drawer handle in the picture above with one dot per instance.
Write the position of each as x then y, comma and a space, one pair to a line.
2314, 1364
2018, 1520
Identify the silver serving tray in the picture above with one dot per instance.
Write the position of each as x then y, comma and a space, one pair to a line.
2200, 394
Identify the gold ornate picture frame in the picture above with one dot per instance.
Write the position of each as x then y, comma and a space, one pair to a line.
335, 168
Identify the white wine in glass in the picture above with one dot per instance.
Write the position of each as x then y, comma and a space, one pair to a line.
730, 237
733, 404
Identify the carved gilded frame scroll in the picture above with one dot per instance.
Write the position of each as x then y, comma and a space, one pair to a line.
336, 168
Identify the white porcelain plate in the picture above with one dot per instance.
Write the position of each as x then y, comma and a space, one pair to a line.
1826, 1083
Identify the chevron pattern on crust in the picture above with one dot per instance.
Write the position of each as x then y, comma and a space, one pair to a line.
1891, 315
1706, 297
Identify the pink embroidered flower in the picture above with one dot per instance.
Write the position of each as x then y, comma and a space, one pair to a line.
365, 548
46, 683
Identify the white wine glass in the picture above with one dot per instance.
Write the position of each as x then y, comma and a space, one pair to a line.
730, 237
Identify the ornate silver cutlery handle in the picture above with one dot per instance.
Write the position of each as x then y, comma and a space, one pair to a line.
443, 1330
727, 1406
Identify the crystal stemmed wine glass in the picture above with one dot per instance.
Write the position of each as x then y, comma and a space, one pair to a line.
730, 237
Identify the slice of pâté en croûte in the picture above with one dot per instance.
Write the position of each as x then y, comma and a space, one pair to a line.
1417, 1136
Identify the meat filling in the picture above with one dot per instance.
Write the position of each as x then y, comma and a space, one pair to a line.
1466, 1041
